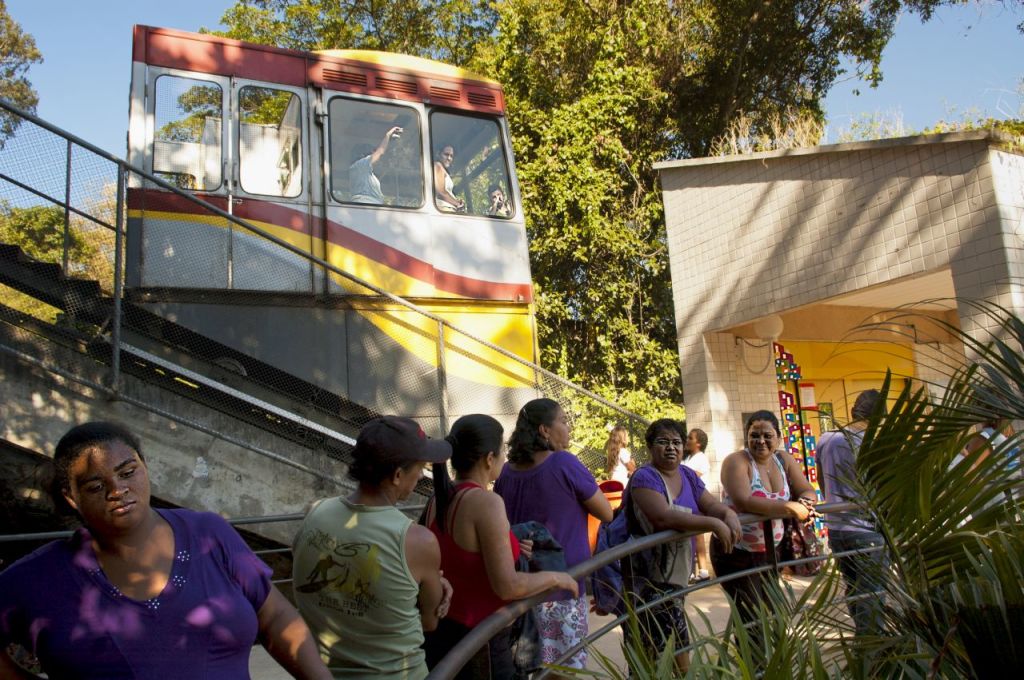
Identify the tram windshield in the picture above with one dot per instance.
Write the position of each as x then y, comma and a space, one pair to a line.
376, 153
470, 165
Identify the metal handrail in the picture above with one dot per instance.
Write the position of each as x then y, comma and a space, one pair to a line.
237, 522
478, 636
683, 591
169, 415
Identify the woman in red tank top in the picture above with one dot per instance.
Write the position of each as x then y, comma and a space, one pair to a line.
478, 550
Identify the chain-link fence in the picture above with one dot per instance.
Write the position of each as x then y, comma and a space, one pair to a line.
254, 318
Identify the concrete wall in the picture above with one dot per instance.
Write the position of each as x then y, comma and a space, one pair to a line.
787, 232
188, 467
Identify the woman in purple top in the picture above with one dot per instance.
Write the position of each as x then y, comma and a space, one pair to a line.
139, 592
545, 483
648, 511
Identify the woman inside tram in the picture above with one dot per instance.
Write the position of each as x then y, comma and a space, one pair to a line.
443, 185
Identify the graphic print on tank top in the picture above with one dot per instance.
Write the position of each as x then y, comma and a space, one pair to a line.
344, 576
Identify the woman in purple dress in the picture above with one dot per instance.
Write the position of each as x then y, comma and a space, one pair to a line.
139, 592
545, 483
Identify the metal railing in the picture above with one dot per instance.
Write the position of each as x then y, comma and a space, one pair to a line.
81, 191
478, 637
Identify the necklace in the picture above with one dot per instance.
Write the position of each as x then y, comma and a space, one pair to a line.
764, 471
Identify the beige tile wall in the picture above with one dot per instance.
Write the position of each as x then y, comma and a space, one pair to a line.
761, 235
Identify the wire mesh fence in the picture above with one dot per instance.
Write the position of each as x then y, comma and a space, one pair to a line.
188, 292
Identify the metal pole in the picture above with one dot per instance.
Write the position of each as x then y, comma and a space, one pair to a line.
769, 542
115, 331
67, 211
442, 381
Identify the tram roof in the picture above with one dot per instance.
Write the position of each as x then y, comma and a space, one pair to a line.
387, 74
409, 62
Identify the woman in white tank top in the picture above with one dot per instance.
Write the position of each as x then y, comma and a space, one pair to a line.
762, 480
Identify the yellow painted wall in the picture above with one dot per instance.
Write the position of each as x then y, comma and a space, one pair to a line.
842, 370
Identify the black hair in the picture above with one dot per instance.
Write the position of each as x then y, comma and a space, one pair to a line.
82, 437
664, 424
526, 439
472, 437
361, 151
762, 415
865, 404
77, 441
702, 439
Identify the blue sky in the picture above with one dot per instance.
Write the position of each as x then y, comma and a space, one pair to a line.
966, 59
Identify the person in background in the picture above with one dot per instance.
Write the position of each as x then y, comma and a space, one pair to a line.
362, 182
545, 483
695, 459
619, 460
140, 592
443, 186
762, 480
478, 550
837, 459
500, 206
367, 579
649, 511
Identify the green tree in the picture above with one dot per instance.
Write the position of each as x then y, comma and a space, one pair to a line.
588, 117
39, 231
17, 53
449, 30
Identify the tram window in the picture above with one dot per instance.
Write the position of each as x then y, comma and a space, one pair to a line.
269, 141
376, 153
470, 167
187, 141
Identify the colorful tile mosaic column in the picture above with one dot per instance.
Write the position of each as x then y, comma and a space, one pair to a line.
796, 431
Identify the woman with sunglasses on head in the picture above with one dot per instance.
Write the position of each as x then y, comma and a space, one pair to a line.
140, 592
762, 480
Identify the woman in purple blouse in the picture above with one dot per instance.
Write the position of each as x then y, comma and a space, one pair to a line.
545, 483
648, 511
139, 592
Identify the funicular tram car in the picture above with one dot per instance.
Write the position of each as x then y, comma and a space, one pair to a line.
284, 140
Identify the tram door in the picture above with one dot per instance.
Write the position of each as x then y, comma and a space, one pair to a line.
272, 186
243, 146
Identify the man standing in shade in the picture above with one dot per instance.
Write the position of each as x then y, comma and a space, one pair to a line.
367, 579
837, 455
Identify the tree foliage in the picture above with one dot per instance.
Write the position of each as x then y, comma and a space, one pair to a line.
588, 116
598, 91
449, 30
39, 231
17, 53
